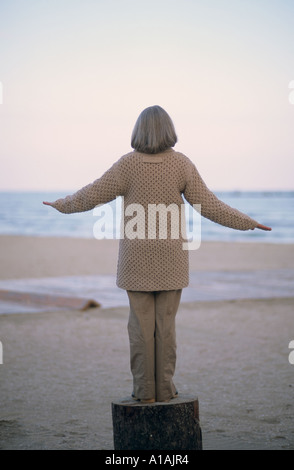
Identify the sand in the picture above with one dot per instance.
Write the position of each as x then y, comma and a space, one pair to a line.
61, 369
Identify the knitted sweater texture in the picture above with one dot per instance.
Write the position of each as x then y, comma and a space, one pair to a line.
149, 262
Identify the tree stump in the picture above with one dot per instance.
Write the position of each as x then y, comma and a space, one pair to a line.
157, 426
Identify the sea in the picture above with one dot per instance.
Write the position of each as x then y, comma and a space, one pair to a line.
23, 213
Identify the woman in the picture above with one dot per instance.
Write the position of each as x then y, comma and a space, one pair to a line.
153, 268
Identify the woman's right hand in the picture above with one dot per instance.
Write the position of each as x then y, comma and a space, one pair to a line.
263, 227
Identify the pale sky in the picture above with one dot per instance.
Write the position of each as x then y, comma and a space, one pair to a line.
76, 74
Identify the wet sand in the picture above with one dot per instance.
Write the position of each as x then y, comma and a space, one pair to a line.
62, 368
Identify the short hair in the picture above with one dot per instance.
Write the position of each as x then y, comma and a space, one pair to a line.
154, 131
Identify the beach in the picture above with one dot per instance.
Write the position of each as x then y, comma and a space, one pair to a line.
62, 368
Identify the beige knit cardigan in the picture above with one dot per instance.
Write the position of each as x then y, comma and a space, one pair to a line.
146, 264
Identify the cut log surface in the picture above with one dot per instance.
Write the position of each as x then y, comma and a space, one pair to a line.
158, 426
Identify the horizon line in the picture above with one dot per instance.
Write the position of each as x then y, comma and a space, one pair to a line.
219, 190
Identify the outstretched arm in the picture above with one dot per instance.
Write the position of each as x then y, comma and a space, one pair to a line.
101, 191
196, 192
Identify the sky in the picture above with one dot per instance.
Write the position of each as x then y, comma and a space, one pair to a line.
75, 75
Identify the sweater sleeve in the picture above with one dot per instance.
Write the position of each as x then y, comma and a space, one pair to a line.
196, 192
101, 191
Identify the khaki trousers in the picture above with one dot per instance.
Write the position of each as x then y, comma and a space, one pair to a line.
152, 336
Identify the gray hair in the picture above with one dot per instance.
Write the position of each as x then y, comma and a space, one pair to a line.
154, 131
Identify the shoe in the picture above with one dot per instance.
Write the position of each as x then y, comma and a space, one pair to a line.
151, 400
176, 394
